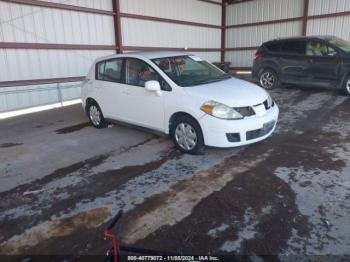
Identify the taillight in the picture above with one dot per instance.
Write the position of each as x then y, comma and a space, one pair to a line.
258, 55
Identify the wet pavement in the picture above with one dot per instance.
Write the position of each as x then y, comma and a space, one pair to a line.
61, 181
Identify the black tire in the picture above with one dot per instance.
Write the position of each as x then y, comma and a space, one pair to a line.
192, 129
93, 111
346, 85
268, 79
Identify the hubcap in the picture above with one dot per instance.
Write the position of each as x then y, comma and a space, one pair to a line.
267, 80
348, 86
186, 136
95, 115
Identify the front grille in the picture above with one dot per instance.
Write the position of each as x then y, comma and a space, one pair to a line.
245, 111
260, 132
233, 137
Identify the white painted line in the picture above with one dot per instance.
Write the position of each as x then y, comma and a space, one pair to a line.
38, 109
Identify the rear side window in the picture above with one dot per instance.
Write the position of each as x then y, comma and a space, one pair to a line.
274, 47
109, 70
297, 47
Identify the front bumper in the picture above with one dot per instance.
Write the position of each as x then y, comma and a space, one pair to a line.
219, 132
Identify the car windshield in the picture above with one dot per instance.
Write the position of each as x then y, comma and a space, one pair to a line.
340, 43
190, 70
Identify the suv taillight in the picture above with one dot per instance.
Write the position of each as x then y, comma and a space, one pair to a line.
258, 55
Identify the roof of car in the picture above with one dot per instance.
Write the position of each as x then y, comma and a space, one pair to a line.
147, 54
159, 54
321, 37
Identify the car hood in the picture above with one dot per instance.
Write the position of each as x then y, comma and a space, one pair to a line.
232, 92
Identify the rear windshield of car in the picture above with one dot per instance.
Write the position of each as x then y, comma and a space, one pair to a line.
340, 43
190, 70
274, 47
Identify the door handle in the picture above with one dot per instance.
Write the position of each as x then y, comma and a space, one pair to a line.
125, 92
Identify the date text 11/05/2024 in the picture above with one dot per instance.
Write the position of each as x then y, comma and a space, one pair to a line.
173, 258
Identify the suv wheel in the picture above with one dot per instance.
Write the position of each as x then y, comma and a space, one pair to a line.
96, 116
187, 135
268, 79
346, 86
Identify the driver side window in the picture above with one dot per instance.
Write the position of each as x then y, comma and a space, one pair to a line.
314, 48
138, 72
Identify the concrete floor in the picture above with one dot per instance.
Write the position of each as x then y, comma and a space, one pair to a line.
61, 181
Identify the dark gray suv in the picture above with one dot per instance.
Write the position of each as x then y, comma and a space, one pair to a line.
314, 61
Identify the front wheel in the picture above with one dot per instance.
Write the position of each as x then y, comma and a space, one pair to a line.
187, 135
346, 86
268, 79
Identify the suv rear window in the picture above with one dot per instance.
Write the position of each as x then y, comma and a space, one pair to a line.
294, 47
274, 47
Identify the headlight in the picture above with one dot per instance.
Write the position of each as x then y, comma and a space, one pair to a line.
220, 110
269, 101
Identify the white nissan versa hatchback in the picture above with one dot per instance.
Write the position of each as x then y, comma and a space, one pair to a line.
178, 94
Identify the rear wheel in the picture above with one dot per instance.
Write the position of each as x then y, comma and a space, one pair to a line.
268, 79
346, 86
96, 116
187, 135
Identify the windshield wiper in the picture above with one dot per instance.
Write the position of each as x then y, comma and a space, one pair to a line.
193, 82
225, 76
217, 79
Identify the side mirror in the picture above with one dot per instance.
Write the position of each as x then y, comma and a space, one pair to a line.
153, 86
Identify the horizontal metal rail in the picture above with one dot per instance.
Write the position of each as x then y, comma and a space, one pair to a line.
60, 6
39, 89
167, 20
17, 45
55, 89
286, 20
190, 49
41, 81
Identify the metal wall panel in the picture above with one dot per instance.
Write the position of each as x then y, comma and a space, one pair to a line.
240, 58
20, 64
187, 10
209, 56
259, 11
22, 97
263, 10
96, 4
30, 24
158, 34
256, 35
70, 91
338, 26
318, 7
13, 98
